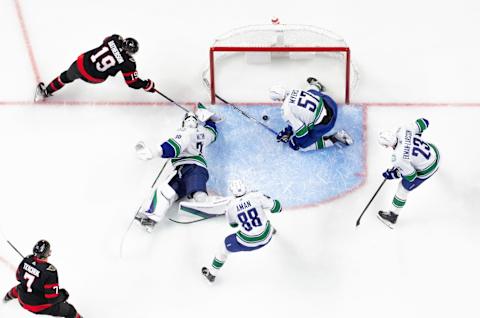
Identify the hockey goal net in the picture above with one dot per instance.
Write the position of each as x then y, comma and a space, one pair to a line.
288, 49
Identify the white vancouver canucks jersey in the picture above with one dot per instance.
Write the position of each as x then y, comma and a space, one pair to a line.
413, 156
248, 213
189, 145
303, 109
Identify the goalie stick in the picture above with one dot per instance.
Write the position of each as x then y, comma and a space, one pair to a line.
368, 204
138, 210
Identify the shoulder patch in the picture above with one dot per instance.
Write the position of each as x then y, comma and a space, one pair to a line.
51, 268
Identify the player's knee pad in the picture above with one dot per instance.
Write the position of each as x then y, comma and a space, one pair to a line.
200, 196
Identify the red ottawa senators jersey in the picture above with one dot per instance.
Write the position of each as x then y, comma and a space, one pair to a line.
38, 288
107, 60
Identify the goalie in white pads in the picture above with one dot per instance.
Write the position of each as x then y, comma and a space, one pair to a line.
247, 211
310, 115
414, 160
190, 177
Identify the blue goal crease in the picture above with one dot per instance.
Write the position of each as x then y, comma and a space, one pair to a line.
245, 149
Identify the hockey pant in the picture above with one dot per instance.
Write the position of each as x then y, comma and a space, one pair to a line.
316, 137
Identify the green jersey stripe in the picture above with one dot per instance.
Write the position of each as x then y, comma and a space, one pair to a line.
302, 131
411, 176
255, 238
421, 124
277, 207
212, 131
175, 146
196, 159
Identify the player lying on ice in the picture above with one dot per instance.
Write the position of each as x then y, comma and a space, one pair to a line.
414, 160
310, 115
247, 212
190, 174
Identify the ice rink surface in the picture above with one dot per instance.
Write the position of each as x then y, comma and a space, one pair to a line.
69, 173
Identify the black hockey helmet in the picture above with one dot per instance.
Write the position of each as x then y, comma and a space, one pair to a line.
41, 249
130, 45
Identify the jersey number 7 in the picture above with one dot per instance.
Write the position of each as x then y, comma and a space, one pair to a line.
307, 101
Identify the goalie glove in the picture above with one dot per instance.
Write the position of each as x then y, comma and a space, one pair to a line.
392, 173
204, 114
142, 151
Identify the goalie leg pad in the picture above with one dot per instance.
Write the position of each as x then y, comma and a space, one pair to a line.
206, 209
162, 199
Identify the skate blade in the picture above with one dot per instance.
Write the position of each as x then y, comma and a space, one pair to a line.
390, 225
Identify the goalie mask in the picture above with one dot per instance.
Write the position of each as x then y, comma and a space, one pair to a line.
237, 188
278, 93
190, 120
387, 139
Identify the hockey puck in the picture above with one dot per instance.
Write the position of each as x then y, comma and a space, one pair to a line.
265, 117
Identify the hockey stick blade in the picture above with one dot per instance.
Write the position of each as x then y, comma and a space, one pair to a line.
195, 221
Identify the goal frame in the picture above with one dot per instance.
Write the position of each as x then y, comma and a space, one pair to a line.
214, 49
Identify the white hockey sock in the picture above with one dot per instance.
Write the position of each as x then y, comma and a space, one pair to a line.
323, 142
399, 199
219, 259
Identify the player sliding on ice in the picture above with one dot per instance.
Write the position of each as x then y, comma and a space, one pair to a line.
190, 176
247, 211
95, 66
310, 115
414, 160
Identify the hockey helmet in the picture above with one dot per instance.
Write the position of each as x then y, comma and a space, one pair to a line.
237, 187
190, 120
278, 93
42, 249
387, 139
130, 45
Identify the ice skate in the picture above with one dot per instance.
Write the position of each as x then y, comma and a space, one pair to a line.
314, 81
208, 275
40, 92
388, 218
343, 137
145, 221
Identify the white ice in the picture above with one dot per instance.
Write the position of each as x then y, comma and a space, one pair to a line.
68, 172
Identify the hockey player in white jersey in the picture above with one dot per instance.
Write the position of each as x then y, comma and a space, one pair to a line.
247, 212
190, 177
414, 160
310, 115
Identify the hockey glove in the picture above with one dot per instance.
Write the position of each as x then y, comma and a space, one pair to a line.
150, 87
285, 134
392, 173
63, 294
293, 144
143, 152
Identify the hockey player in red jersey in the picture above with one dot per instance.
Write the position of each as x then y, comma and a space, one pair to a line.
95, 66
38, 291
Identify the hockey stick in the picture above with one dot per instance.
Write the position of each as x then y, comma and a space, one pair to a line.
246, 115
138, 210
195, 221
171, 100
11, 245
368, 204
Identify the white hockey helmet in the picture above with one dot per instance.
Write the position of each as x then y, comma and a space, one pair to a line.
387, 139
237, 187
190, 120
278, 93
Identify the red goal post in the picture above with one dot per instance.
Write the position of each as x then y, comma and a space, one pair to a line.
285, 40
